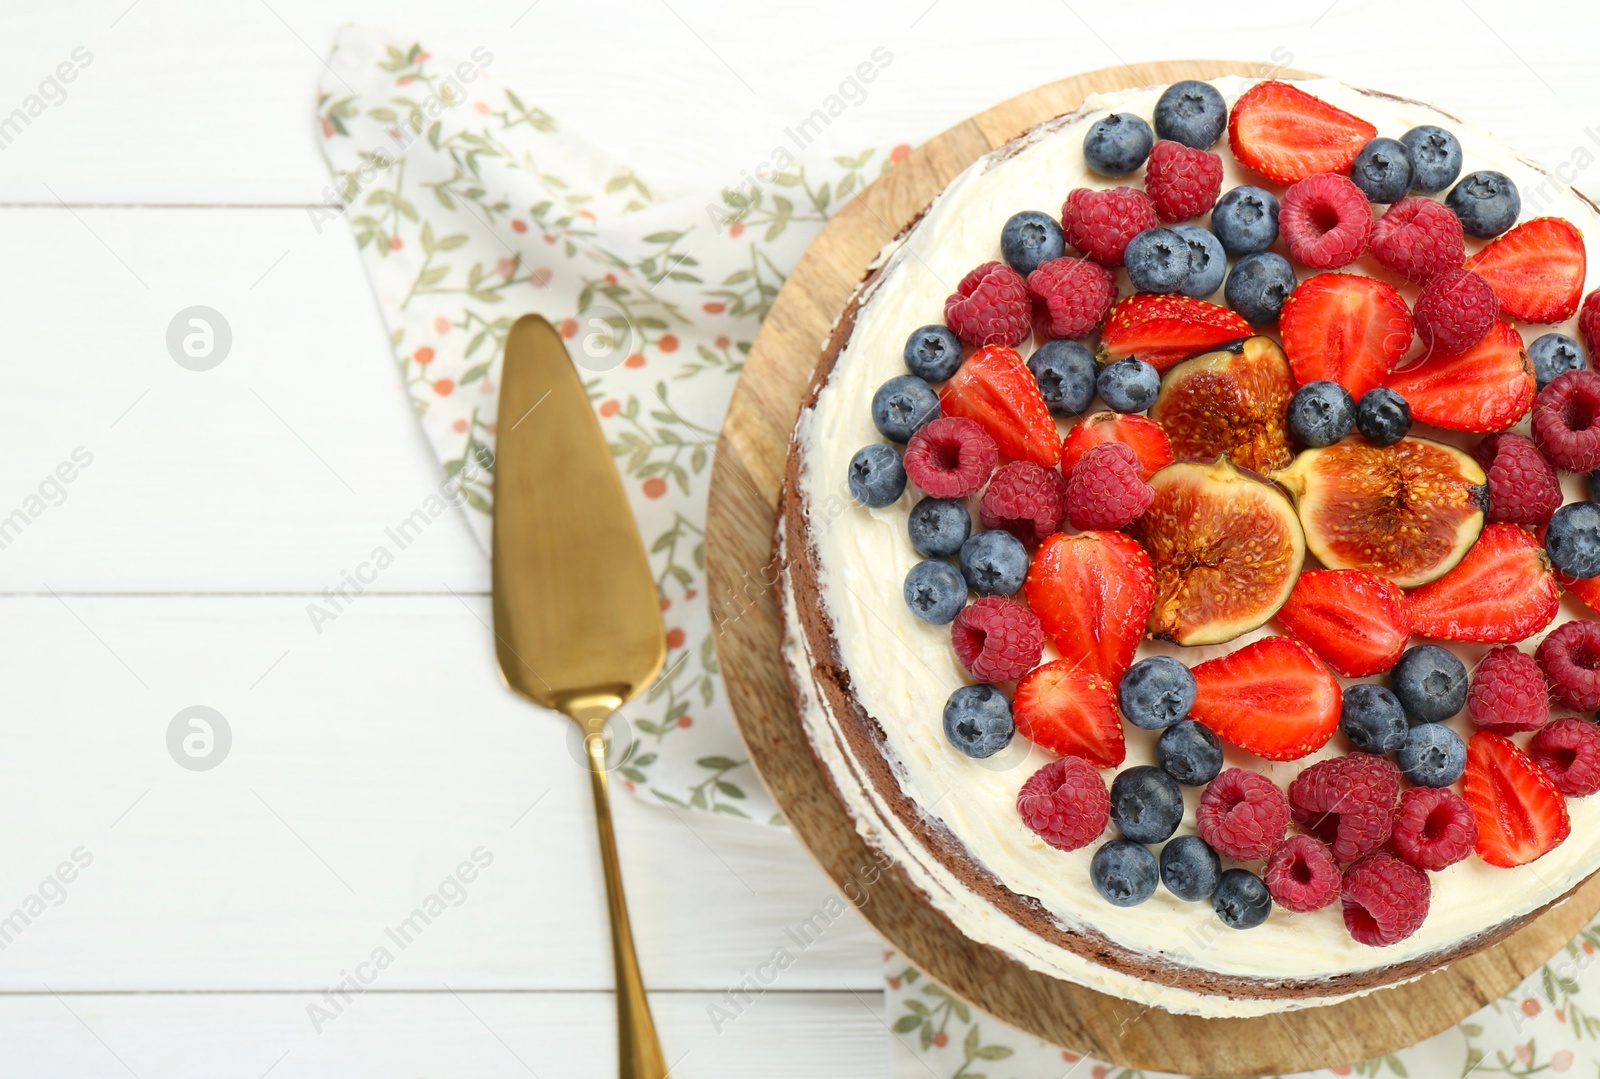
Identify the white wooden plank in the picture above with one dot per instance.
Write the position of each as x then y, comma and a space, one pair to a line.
439, 1034
205, 102
278, 470
366, 763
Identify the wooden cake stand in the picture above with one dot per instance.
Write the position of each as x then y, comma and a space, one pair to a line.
745, 486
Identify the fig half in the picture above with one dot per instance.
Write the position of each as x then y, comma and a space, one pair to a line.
1225, 546
1232, 400
1407, 512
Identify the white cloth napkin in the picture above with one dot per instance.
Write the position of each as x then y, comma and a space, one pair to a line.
471, 206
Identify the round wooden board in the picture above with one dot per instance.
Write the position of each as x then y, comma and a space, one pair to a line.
745, 486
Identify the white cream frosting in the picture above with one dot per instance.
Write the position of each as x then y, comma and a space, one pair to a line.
902, 670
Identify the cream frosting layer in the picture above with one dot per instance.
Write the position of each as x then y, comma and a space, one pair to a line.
902, 670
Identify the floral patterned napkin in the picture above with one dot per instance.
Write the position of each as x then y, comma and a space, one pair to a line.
471, 206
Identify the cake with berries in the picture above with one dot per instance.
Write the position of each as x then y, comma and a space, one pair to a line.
1188, 567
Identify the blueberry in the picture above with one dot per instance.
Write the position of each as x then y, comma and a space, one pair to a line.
1573, 539
1246, 220
1189, 753
1257, 286
1321, 413
977, 720
1157, 260
1371, 717
933, 353
1593, 483
1435, 158
1486, 202
1383, 416
1430, 682
1065, 371
1382, 170
1433, 755
1129, 385
1030, 238
1124, 873
935, 591
995, 563
1191, 112
902, 405
1156, 692
1146, 803
876, 475
1555, 354
1117, 144
1208, 262
1190, 869
1241, 899
939, 526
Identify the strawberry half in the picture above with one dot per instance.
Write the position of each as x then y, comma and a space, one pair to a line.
1093, 593
1503, 590
994, 388
1272, 697
1354, 620
1070, 710
1521, 815
1536, 270
1345, 328
1285, 134
1587, 590
1144, 436
1161, 330
1487, 388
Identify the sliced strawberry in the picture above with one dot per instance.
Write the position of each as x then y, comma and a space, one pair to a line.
1345, 328
1272, 697
1354, 620
1536, 270
1144, 436
1489, 387
1070, 710
995, 388
1521, 815
1503, 590
1093, 592
1285, 134
1587, 590
1161, 330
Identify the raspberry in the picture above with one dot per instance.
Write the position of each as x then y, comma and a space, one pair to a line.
1070, 296
1454, 311
950, 457
1418, 238
1589, 322
997, 639
1570, 659
1242, 814
1025, 499
1566, 421
1523, 488
1508, 693
990, 306
1065, 803
1100, 223
1302, 875
1434, 827
1181, 181
1569, 752
1348, 802
1325, 220
1105, 490
1385, 900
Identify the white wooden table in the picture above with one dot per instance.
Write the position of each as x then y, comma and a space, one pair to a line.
370, 759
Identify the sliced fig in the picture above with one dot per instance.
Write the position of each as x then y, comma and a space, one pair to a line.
1407, 512
1225, 547
1233, 400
